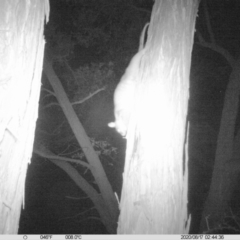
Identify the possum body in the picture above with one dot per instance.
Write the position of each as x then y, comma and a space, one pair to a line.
124, 93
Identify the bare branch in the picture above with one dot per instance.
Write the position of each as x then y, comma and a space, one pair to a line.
50, 92
89, 96
70, 70
216, 48
212, 44
44, 152
52, 104
77, 102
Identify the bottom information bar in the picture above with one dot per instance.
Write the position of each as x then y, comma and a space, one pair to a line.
122, 237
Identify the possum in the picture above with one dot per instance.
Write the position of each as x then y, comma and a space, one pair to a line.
125, 91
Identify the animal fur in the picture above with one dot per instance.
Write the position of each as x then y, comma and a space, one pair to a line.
125, 91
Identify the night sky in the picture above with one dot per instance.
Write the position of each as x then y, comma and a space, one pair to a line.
94, 41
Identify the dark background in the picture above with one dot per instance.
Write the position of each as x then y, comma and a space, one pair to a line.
96, 39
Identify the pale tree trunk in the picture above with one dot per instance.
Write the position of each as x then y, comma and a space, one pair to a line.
21, 48
154, 194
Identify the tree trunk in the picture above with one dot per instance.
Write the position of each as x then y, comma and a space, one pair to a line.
154, 194
226, 158
22, 48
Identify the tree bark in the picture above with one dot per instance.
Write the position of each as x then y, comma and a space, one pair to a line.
22, 48
154, 194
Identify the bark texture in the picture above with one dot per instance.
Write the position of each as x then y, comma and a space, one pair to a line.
21, 50
154, 194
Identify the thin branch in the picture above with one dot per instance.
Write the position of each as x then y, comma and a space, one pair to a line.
212, 44
43, 152
77, 198
77, 102
50, 92
51, 104
217, 48
70, 70
89, 96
